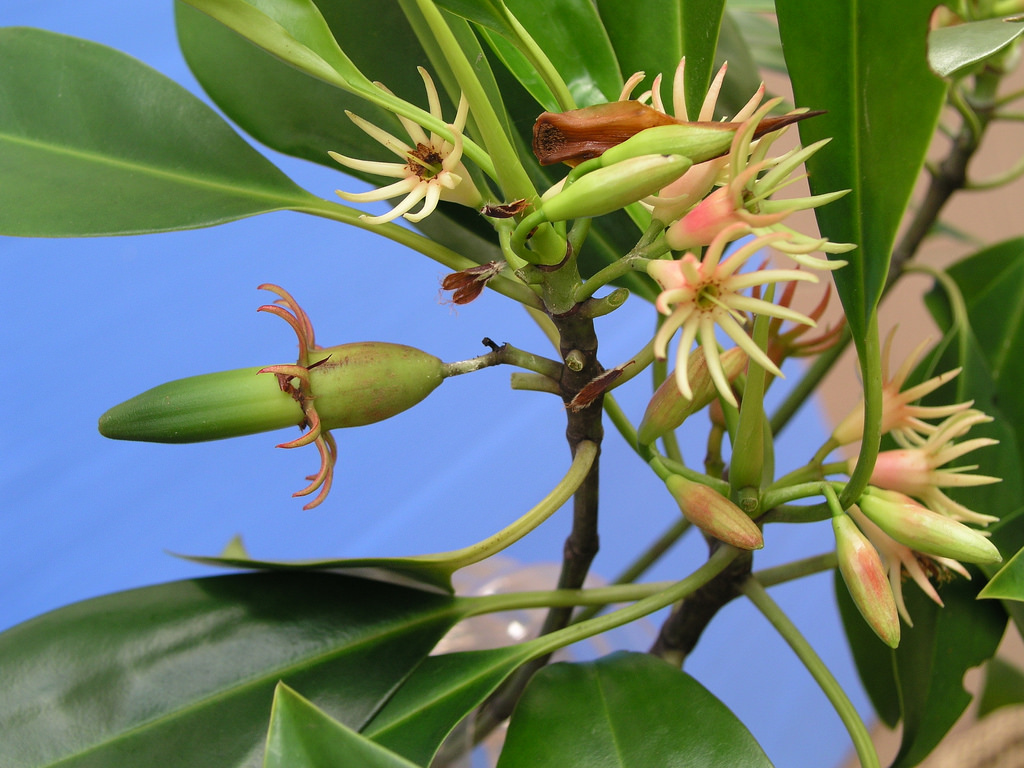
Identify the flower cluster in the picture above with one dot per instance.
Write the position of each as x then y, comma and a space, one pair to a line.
905, 515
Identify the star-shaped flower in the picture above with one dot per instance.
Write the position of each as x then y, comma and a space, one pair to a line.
900, 416
700, 294
431, 168
917, 471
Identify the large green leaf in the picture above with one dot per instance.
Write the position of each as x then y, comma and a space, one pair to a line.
684, 28
302, 735
182, 674
864, 61
954, 50
630, 710
93, 142
438, 695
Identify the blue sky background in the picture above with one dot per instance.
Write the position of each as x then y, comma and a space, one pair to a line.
89, 323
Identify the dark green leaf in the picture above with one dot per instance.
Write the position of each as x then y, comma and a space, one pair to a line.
490, 14
683, 28
630, 710
93, 142
304, 736
293, 31
438, 695
954, 50
1004, 686
933, 657
182, 674
1008, 582
429, 570
572, 36
864, 61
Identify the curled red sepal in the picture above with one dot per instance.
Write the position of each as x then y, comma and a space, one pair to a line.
322, 479
295, 316
295, 381
467, 284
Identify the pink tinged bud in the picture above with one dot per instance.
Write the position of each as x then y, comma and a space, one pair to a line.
867, 580
925, 531
714, 514
669, 407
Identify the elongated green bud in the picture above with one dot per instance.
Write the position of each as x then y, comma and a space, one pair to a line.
866, 579
669, 407
714, 514
924, 530
209, 407
614, 187
355, 384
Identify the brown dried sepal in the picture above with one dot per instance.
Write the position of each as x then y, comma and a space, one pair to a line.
504, 210
469, 283
596, 387
581, 134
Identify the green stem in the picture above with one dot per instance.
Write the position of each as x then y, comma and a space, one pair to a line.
871, 373
506, 354
639, 566
676, 468
619, 420
562, 598
541, 63
756, 593
798, 569
431, 249
715, 564
561, 493
515, 182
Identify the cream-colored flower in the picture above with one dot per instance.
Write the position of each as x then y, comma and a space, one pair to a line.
900, 417
431, 168
701, 294
917, 471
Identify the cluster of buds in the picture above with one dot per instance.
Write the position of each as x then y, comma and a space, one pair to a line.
904, 515
327, 388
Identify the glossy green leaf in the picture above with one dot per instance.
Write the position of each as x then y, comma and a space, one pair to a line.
864, 61
292, 30
1008, 582
653, 40
1004, 686
572, 36
438, 695
490, 14
932, 659
954, 50
630, 710
302, 735
429, 570
182, 674
93, 142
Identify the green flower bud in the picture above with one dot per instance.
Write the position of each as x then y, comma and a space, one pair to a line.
866, 579
370, 381
714, 514
925, 531
210, 407
356, 384
669, 408
614, 187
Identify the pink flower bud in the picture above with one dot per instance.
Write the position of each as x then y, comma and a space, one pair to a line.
714, 514
867, 580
